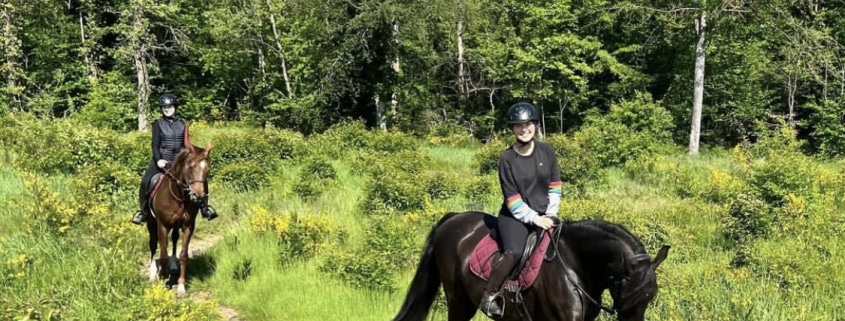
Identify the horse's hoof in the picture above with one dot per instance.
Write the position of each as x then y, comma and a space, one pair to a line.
180, 289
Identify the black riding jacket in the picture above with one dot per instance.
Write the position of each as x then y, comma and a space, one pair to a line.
168, 138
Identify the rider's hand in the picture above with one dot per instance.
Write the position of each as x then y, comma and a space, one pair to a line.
161, 163
545, 222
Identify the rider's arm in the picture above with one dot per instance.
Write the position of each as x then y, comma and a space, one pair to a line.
156, 142
554, 186
513, 198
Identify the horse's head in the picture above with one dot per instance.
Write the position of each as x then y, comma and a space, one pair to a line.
616, 260
191, 168
196, 170
636, 286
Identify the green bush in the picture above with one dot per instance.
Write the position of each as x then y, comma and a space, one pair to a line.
246, 175
369, 270
748, 218
440, 185
340, 139
578, 166
392, 142
631, 129
318, 168
265, 146
486, 161
409, 162
393, 190
784, 174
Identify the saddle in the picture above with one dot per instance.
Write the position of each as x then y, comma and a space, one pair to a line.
532, 243
150, 190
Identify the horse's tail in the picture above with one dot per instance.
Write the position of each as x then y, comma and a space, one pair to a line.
425, 284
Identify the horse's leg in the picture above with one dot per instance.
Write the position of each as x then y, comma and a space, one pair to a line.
459, 304
174, 239
162, 239
187, 232
153, 243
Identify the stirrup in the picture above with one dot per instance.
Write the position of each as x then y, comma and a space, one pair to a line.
489, 302
139, 218
209, 212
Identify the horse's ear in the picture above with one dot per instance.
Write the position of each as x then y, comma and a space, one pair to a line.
188, 143
661, 255
208, 147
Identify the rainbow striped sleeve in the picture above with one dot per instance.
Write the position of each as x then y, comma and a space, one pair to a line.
514, 202
554, 187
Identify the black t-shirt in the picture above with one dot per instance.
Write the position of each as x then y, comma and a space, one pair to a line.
528, 179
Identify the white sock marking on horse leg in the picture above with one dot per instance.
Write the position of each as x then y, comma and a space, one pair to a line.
180, 289
152, 270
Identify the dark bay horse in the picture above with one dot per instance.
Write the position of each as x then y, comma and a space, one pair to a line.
591, 256
174, 207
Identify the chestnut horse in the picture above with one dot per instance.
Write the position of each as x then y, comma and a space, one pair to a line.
587, 257
174, 207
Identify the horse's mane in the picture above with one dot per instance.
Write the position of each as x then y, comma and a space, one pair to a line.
637, 287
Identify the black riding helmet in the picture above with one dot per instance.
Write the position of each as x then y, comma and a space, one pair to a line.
167, 99
522, 112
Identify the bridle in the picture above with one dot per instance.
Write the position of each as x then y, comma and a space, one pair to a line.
186, 187
614, 289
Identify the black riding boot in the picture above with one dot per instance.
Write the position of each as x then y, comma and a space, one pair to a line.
207, 211
141, 216
498, 276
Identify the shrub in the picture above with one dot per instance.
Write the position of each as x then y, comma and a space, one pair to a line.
158, 303
369, 270
440, 185
313, 178
300, 236
244, 175
780, 175
264, 146
486, 161
340, 139
631, 129
396, 190
748, 218
578, 166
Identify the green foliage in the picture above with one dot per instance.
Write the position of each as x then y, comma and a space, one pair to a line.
244, 175
112, 103
395, 190
265, 146
440, 185
748, 218
340, 139
313, 178
632, 129
486, 161
578, 166
366, 270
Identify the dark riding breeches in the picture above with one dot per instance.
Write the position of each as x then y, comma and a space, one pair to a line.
512, 235
148, 174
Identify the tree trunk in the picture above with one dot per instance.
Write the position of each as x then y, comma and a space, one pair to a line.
143, 86
698, 89
12, 47
791, 88
395, 66
262, 61
93, 74
462, 84
279, 47
139, 50
380, 118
